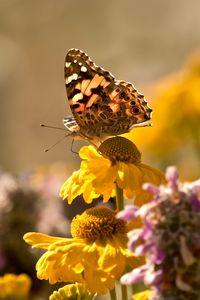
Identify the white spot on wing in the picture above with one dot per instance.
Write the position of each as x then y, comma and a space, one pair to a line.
72, 77
67, 64
83, 69
77, 97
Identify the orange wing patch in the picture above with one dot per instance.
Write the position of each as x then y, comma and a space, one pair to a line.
94, 83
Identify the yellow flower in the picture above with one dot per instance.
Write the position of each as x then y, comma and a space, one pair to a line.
14, 286
72, 292
117, 161
145, 295
95, 255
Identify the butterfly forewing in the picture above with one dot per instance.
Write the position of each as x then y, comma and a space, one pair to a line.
79, 68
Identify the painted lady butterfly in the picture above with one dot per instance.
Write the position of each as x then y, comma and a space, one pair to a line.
101, 106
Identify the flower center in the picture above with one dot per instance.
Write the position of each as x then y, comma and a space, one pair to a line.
120, 149
97, 223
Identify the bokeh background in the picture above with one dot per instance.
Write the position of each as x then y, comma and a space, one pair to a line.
138, 41
154, 44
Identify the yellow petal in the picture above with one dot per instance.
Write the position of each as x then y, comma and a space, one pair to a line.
62, 264
97, 279
40, 240
75, 185
108, 193
88, 193
88, 153
105, 178
111, 260
145, 295
152, 175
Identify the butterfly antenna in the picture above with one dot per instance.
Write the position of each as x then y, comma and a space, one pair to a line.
60, 140
54, 127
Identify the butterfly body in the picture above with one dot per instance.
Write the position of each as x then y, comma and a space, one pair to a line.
101, 106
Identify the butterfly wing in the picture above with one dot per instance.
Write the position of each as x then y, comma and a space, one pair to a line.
85, 83
100, 104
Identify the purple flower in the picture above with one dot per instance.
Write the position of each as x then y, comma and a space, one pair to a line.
150, 188
129, 213
134, 236
169, 240
143, 249
171, 176
147, 231
135, 276
157, 256
194, 190
153, 277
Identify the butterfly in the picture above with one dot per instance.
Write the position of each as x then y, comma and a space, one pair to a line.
101, 105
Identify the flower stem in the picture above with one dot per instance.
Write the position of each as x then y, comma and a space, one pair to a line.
124, 292
120, 206
119, 198
113, 295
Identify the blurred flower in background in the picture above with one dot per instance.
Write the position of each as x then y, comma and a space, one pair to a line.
175, 135
18, 210
14, 287
46, 180
30, 202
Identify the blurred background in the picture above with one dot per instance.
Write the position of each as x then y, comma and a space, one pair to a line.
153, 44
138, 41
